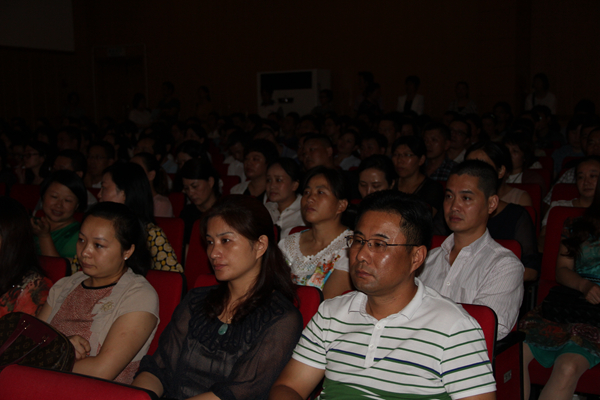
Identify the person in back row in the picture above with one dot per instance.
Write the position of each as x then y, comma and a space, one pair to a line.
437, 142
126, 183
393, 337
470, 267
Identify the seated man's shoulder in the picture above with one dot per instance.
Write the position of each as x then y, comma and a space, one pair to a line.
441, 310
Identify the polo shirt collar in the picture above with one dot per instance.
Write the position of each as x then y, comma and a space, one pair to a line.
359, 303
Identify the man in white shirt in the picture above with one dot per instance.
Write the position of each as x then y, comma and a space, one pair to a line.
470, 267
393, 337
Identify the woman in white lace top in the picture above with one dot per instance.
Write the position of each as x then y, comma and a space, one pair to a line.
319, 256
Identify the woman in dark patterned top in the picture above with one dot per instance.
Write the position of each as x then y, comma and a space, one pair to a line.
230, 341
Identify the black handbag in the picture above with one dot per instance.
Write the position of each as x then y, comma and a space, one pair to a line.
568, 306
26, 340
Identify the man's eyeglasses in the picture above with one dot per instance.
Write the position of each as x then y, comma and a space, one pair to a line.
375, 245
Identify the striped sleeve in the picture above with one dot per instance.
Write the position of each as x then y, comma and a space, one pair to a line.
310, 349
466, 368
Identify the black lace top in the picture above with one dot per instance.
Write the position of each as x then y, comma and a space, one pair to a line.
193, 358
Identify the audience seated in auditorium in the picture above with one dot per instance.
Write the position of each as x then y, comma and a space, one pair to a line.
376, 173
318, 256
499, 157
540, 94
332, 127
411, 101
470, 267
573, 146
201, 186
586, 176
409, 158
62, 194
590, 144
23, 287
270, 135
509, 220
36, 161
101, 155
109, 341
158, 179
569, 345
546, 133
437, 142
232, 340
258, 154
139, 113
523, 160
284, 176
462, 104
325, 103
389, 126
355, 341
68, 138
317, 150
126, 183
73, 160
460, 138
347, 145
371, 144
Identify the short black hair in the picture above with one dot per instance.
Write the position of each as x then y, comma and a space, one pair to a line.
335, 178
264, 147
321, 137
78, 161
414, 143
438, 126
381, 163
197, 168
381, 140
72, 181
109, 149
497, 152
484, 172
416, 223
131, 179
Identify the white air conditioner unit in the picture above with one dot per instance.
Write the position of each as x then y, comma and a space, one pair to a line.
295, 90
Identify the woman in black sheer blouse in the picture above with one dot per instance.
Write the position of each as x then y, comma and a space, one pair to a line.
230, 341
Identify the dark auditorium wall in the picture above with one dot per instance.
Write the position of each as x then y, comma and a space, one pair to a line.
496, 46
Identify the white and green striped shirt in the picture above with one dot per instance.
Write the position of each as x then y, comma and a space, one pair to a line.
432, 349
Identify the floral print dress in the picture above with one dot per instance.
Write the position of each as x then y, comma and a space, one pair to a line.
315, 270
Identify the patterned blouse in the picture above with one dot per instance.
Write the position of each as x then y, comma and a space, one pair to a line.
163, 255
28, 297
315, 270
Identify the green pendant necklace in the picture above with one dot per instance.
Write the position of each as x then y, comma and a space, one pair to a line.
223, 328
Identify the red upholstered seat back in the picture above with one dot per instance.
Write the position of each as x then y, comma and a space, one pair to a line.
27, 383
169, 286
55, 268
177, 200
229, 181
565, 191
27, 195
174, 230
486, 317
196, 262
310, 298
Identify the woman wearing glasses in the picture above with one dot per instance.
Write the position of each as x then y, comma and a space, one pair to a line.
33, 169
319, 256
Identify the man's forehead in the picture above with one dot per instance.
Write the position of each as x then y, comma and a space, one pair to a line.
379, 223
461, 183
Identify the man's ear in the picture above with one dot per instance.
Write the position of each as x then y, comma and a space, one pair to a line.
502, 172
493, 201
419, 254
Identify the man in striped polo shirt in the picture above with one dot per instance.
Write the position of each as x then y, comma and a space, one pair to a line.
393, 338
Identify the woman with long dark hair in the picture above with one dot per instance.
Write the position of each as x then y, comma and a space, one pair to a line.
158, 179
283, 184
232, 340
127, 183
23, 286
